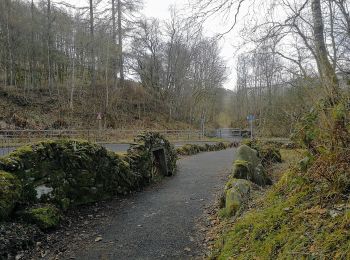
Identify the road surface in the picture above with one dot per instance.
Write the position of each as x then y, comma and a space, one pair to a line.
161, 222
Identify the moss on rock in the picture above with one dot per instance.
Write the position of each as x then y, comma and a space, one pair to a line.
10, 193
294, 216
248, 166
236, 193
267, 151
66, 173
78, 172
191, 149
44, 216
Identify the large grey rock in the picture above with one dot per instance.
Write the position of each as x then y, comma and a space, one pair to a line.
248, 166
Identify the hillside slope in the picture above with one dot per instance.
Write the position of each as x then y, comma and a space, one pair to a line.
38, 109
298, 218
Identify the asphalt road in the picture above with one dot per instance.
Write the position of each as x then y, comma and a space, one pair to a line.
162, 222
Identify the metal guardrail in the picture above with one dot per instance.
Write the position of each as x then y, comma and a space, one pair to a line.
231, 132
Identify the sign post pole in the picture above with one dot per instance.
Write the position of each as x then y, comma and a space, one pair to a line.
251, 129
251, 118
99, 120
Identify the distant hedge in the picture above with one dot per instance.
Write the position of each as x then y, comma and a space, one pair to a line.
191, 149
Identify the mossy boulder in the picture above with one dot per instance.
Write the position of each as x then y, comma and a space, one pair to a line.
248, 166
10, 193
44, 216
267, 151
236, 193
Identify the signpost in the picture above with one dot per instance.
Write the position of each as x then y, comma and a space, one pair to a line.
202, 126
99, 120
251, 119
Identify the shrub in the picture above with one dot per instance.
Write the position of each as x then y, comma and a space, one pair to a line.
191, 149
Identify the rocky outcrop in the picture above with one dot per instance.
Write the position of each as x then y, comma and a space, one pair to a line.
236, 193
248, 166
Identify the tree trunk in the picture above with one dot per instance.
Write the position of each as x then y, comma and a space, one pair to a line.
326, 70
92, 48
71, 104
114, 38
49, 63
337, 126
120, 43
32, 54
9, 63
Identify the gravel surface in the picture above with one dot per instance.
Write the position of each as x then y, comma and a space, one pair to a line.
165, 221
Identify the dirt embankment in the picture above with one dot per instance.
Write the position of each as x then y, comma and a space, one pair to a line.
38, 109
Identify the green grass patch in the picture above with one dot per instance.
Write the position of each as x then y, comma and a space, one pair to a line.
294, 221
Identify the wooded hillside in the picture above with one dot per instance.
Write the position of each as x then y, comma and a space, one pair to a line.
107, 58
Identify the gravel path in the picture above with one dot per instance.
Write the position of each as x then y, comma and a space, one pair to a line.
167, 220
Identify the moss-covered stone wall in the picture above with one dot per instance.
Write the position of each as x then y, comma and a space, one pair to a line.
191, 149
61, 174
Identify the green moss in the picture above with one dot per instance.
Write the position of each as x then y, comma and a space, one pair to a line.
191, 149
67, 173
267, 151
77, 171
248, 166
45, 217
236, 193
10, 192
234, 200
290, 224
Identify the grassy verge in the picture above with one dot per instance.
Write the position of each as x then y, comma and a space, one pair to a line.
295, 219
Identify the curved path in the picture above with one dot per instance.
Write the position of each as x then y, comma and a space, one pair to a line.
163, 221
